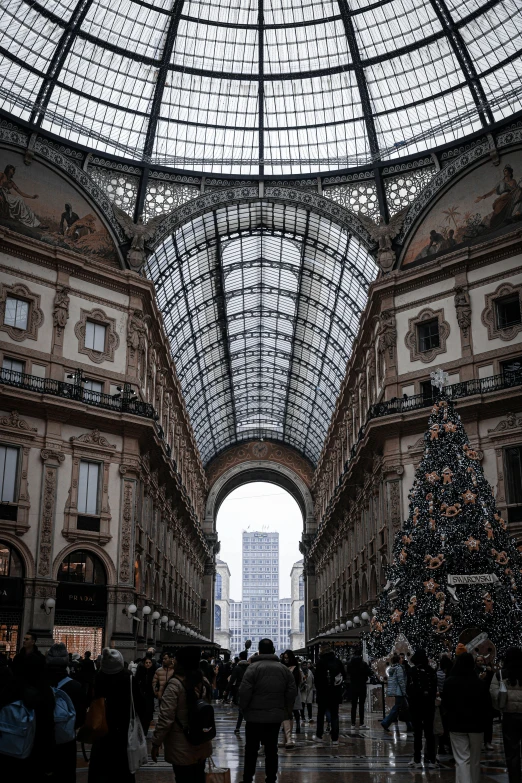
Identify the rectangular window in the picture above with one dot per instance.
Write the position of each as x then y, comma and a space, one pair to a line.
16, 312
95, 336
513, 461
428, 392
508, 311
88, 488
512, 367
8, 465
428, 335
12, 365
93, 386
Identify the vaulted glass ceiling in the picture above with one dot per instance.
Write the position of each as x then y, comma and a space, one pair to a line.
260, 86
261, 302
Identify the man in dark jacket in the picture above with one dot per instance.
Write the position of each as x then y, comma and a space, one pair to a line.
359, 673
234, 684
421, 691
23, 658
329, 682
266, 697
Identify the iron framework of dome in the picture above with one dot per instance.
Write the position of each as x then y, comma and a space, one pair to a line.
163, 101
260, 86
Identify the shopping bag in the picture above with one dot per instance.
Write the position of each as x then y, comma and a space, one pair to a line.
502, 693
95, 725
438, 728
136, 742
215, 774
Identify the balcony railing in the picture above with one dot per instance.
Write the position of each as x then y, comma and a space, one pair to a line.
494, 383
118, 403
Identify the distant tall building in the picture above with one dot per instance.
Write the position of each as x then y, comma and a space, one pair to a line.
237, 643
297, 629
284, 641
260, 607
222, 605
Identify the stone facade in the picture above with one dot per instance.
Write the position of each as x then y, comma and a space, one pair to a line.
222, 633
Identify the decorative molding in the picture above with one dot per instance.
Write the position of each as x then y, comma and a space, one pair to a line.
511, 422
13, 421
488, 315
260, 450
112, 339
411, 337
51, 459
93, 438
127, 514
35, 317
463, 308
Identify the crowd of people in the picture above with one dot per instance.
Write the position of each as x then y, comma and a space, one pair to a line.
450, 708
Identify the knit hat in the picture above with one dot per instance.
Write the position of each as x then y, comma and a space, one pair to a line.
76, 657
111, 661
189, 658
57, 656
461, 648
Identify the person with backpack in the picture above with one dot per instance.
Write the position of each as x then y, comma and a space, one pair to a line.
234, 683
397, 689
506, 695
113, 683
329, 683
185, 725
466, 701
421, 690
266, 696
359, 673
66, 722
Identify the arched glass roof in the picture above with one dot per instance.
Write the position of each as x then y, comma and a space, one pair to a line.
260, 86
261, 303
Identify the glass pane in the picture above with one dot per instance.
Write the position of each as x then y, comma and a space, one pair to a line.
99, 337
92, 488
8, 463
10, 311
14, 365
89, 335
22, 314
82, 487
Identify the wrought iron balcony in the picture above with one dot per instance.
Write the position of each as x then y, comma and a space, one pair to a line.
119, 403
455, 391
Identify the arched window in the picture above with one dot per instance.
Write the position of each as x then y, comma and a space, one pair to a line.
301, 619
217, 618
219, 587
10, 561
301, 588
82, 567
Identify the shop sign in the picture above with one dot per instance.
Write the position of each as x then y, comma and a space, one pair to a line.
472, 579
11, 591
81, 598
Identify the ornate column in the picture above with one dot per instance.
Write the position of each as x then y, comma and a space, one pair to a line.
51, 462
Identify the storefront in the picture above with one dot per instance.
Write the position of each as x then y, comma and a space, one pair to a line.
81, 603
11, 598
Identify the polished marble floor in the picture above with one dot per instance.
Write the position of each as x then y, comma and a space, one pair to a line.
365, 756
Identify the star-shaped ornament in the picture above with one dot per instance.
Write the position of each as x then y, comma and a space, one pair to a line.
396, 616
473, 544
450, 427
432, 477
431, 586
469, 497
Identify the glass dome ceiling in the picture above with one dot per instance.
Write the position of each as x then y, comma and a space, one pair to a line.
260, 86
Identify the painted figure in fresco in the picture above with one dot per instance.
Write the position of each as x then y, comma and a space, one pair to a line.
509, 202
12, 202
68, 218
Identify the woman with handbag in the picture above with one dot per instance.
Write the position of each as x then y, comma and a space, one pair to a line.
113, 683
506, 695
187, 759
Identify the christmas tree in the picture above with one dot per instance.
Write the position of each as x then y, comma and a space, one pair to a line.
455, 566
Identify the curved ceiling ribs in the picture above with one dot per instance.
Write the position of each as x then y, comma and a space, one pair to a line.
261, 302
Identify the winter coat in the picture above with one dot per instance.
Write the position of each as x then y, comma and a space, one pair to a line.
298, 678
396, 681
108, 761
64, 756
160, 680
307, 688
168, 731
144, 678
514, 694
329, 669
236, 678
359, 673
421, 687
466, 703
267, 692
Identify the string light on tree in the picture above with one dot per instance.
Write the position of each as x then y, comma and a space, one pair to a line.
454, 565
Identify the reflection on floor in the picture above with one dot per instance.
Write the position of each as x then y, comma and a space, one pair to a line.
368, 756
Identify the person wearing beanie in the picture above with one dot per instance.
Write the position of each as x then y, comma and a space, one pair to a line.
113, 683
64, 757
188, 761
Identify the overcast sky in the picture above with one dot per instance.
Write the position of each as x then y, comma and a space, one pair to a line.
259, 506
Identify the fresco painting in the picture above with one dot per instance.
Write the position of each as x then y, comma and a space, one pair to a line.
37, 202
485, 200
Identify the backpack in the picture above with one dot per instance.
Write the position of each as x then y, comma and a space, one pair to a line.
201, 726
334, 676
17, 728
64, 715
422, 683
